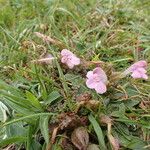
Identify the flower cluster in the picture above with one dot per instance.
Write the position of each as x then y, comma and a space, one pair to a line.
97, 79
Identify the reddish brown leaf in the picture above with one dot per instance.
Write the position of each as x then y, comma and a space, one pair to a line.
84, 97
69, 121
80, 138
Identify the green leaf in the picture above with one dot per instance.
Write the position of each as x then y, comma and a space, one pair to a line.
135, 122
12, 140
44, 127
33, 100
19, 109
27, 117
3, 112
136, 144
35, 145
32, 143
16, 129
98, 132
42, 85
121, 112
131, 142
19, 100
11, 89
52, 97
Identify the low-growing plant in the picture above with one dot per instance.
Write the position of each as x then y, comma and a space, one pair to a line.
69, 91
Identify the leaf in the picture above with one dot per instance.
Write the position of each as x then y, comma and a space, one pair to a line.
131, 142
44, 127
52, 97
3, 112
75, 80
41, 82
12, 140
18, 108
33, 100
19, 100
93, 147
32, 143
98, 132
27, 117
127, 140
135, 122
80, 138
16, 129
29, 137
121, 112
136, 144
35, 145
11, 89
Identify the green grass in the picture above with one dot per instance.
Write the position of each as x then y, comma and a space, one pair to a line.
32, 96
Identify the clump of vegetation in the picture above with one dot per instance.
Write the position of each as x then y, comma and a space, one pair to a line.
74, 75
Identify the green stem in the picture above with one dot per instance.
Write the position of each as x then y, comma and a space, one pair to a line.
62, 78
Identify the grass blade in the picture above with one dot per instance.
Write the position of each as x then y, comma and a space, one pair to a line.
27, 117
98, 132
44, 127
12, 140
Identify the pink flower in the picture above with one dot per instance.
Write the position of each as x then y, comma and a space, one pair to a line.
138, 70
97, 80
68, 58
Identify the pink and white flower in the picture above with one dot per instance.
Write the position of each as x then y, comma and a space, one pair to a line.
137, 70
68, 58
97, 80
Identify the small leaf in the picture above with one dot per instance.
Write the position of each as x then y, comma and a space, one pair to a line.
3, 112
34, 101
80, 138
52, 97
44, 127
12, 140
98, 132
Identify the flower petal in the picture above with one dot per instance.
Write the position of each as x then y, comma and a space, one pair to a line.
145, 76
141, 70
89, 74
66, 52
90, 83
70, 65
136, 74
100, 72
139, 64
101, 88
63, 59
75, 60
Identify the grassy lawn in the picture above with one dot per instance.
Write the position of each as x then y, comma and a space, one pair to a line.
45, 104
